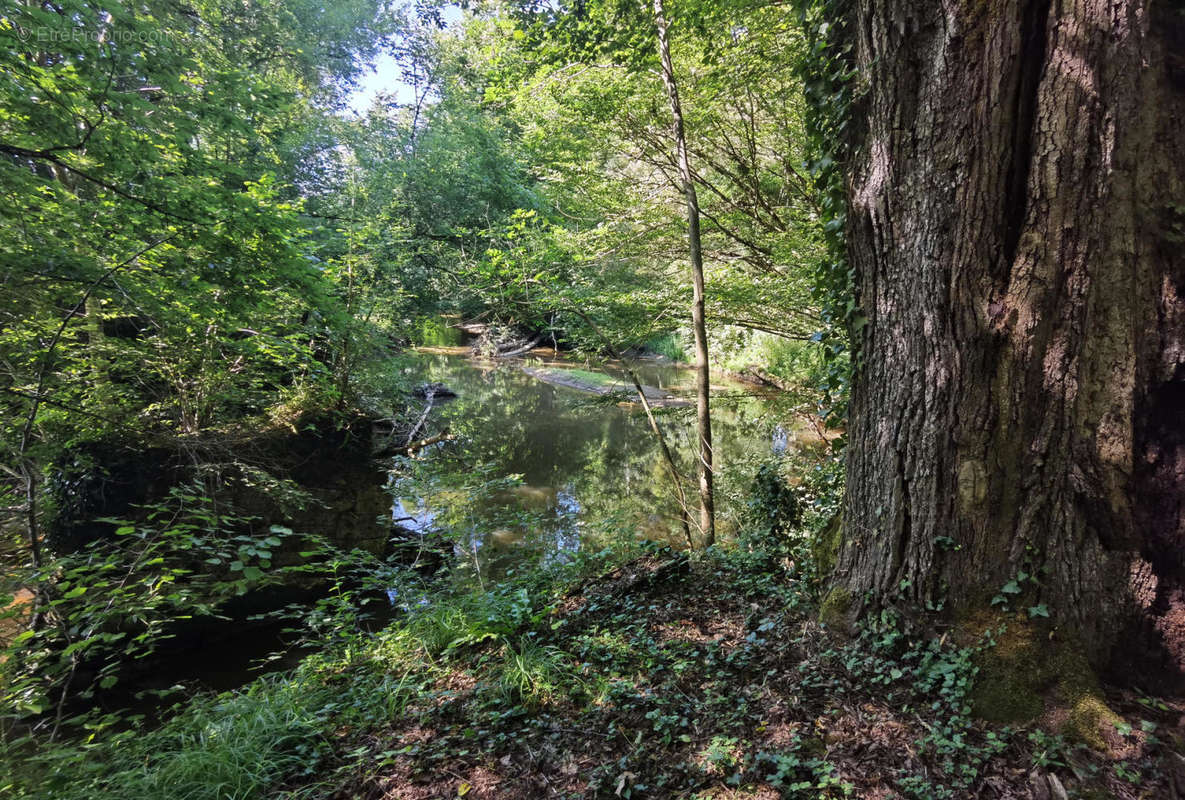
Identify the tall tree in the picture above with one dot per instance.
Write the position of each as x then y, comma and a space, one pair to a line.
1017, 202
703, 379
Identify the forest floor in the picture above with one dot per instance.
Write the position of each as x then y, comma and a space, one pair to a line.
710, 678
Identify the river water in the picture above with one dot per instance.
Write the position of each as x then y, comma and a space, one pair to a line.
584, 467
536, 472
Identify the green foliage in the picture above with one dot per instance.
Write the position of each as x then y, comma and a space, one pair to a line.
155, 204
828, 79
243, 743
434, 332
791, 507
796, 362
598, 133
775, 504
160, 287
933, 677
800, 775
671, 345
114, 602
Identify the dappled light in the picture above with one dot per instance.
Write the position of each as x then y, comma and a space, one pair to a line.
592, 399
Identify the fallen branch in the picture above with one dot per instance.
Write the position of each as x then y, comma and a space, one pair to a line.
430, 396
531, 344
769, 379
412, 448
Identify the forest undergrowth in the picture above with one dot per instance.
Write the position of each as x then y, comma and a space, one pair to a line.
637, 671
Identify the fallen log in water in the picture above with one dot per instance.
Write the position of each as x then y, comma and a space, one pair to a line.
608, 386
531, 344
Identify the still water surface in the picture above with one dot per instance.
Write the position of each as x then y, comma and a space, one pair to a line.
589, 465
588, 469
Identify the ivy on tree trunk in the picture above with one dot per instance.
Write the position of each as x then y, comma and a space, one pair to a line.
1017, 202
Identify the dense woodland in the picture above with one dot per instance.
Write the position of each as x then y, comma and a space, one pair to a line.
859, 325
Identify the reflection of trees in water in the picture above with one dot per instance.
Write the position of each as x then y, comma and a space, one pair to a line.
600, 457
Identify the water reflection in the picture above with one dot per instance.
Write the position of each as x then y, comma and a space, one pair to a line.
586, 465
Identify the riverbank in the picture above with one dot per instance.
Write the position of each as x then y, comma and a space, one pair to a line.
656, 674
544, 642
254, 525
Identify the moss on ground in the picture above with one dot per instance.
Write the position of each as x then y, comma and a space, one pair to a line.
1009, 685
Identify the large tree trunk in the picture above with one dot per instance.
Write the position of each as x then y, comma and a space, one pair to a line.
1017, 194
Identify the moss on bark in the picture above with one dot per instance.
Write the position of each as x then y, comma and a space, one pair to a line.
833, 611
1033, 672
825, 546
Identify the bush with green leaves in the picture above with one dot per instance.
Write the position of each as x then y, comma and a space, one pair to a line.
116, 600
928, 675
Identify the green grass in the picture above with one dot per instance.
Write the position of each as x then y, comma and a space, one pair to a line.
446, 625
233, 748
237, 745
533, 675
230, 747
669, 345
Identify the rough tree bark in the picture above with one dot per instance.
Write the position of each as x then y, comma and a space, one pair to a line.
1017, 214
703, 416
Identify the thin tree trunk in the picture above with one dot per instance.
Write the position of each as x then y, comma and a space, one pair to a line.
1017, 194
707, 515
